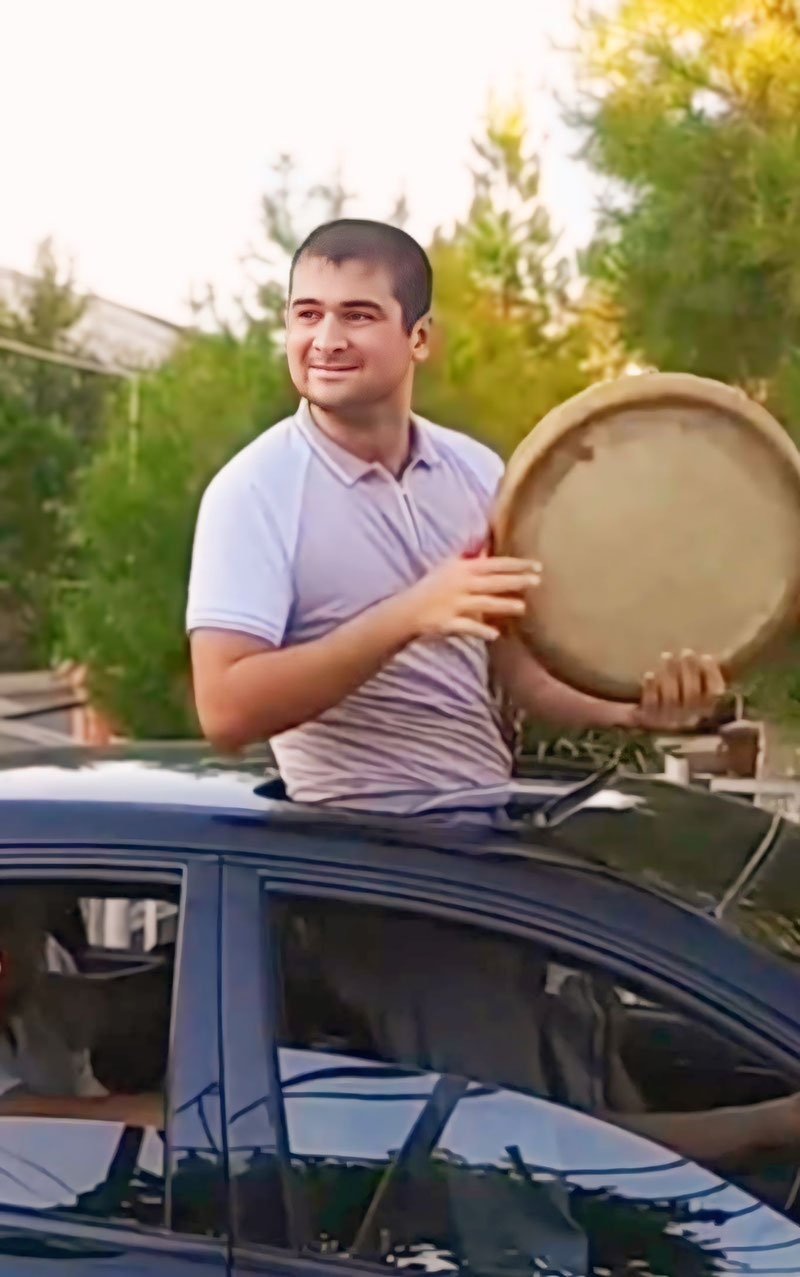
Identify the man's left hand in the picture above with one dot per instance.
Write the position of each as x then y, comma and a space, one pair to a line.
680, 692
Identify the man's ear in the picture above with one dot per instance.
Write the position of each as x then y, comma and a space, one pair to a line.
421, 339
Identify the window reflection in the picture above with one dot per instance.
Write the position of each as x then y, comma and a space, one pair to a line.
100, 1167
325, 1098
417, 1170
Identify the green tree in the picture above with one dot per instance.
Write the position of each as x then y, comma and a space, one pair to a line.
690, 111
49, 417
44, 316
130, 533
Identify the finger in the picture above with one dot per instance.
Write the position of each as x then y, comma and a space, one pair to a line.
468, 626
649, 701
668, 681
493, 564
714, 684
491, 604
517, 583
690, 675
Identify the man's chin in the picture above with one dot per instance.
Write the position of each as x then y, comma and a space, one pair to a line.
336, 399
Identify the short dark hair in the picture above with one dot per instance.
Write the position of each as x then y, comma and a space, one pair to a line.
356, 239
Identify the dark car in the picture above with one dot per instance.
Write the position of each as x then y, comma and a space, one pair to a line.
302, 1040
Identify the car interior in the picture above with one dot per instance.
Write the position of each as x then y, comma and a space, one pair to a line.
105, 994
128, 987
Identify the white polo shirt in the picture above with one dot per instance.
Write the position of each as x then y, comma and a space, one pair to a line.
294, 537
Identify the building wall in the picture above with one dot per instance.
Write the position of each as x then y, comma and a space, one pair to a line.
107, 332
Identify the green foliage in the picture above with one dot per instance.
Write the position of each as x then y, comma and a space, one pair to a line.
690, 110
37, 456
484, 1211
122, 608
634, 751
49, 417
44, 317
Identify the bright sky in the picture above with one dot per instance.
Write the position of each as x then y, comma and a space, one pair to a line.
141, 134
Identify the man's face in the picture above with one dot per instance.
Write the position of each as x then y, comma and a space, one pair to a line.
345, 341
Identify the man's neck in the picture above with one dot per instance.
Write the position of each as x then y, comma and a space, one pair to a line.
380, 434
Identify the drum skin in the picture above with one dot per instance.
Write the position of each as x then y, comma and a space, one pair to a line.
665, 510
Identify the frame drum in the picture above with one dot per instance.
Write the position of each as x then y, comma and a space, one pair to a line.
665, 510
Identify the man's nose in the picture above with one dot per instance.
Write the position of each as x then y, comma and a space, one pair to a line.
329, 335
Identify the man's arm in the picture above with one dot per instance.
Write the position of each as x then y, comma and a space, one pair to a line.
143, 1109
722, 1137
246, 691
677, 693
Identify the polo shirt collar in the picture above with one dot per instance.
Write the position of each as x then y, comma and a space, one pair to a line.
349, 468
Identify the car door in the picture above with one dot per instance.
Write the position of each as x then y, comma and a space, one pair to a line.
392, 1102
122, 1172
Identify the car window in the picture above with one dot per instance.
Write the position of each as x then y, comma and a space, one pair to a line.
429, 1171
454, 1098
85, 1001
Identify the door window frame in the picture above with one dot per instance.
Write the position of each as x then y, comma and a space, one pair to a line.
370, 883
197, 881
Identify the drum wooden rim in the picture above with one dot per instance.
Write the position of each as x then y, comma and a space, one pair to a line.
641, 391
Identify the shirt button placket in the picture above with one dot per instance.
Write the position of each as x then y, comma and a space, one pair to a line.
409, 513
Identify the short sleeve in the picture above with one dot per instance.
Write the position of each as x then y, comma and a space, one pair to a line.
240, 576
493, 471
485, 469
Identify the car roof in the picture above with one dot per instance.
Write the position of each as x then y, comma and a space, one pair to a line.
681, 841
158, 774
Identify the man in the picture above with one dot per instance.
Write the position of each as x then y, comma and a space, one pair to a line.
337, 606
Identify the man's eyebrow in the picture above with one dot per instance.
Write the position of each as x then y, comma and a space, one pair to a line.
362, 305
348, 305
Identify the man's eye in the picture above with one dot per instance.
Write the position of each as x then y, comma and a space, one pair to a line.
357, 314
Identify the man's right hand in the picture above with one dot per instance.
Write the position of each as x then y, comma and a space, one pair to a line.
248, 691
470, 596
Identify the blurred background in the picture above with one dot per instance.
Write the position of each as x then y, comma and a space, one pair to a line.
601, 189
